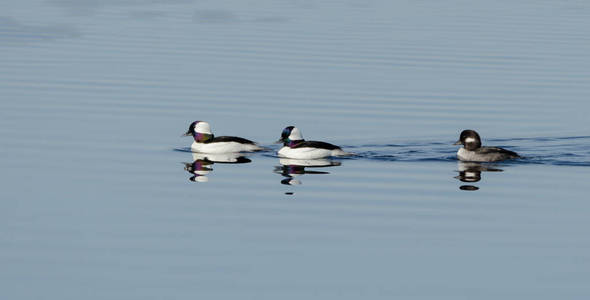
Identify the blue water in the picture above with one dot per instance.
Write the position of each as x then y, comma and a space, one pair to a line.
101, 199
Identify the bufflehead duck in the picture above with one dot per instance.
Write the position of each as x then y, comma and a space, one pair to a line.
205, 142
473, 151
294, 146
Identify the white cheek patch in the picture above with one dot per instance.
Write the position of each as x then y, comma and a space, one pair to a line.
295, 135
203, 127
470, 140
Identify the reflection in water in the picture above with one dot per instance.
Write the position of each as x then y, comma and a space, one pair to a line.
202, 162
292, 168
471, 172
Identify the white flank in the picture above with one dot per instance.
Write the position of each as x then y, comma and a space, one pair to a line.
309, 153
223, 147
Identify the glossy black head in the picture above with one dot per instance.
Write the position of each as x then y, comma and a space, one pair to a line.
290, 136
469, 139
285, 134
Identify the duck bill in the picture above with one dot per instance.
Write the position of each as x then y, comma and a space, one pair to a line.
457, 142
188, 133
278, 141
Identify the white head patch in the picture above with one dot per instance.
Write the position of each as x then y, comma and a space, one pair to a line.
295, 135
470, 140
203, 127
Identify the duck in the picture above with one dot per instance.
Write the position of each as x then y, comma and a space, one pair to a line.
294, 146
206, 142
472, 149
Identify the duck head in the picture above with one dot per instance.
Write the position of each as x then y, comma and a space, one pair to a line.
200, 130
469, 139
290, 136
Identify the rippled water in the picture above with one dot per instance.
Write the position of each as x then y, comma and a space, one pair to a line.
102, 200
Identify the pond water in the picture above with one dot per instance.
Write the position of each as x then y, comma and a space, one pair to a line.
101, 198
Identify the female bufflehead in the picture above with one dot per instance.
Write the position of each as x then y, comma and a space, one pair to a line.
205, 142
296, 147
473, 151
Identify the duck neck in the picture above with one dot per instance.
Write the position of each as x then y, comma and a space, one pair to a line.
202, 137
472, 146
291, 143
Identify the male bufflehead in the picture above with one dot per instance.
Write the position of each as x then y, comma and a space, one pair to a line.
296, 147
473, 151
205, 142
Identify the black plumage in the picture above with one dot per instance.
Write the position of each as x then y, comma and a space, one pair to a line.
315, 144
236, 139
496, 151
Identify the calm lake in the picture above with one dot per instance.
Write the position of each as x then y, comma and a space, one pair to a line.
100, 197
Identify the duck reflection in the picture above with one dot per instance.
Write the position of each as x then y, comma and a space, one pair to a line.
203, 162
471, 172
292, 168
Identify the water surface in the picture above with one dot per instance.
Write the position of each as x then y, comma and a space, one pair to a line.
99, 203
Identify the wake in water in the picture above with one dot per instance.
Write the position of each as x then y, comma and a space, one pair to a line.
563, 151
570, 151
